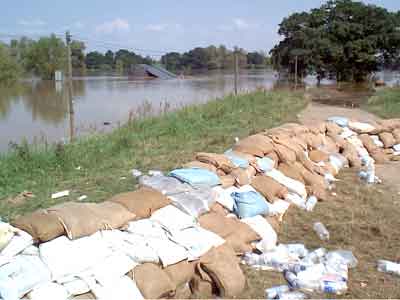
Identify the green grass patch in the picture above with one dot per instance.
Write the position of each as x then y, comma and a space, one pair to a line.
99, 165
385, 103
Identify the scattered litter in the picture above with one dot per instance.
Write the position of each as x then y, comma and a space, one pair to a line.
274, 292
321, 231
341, 121
78, 168
60, 194
122, 178
388, 267
396, 148
334, 194
21, 198
155, 173
291, 296
136, 173
311, 202
82, 198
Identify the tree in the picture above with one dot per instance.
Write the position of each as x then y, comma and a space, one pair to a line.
94, 60
172, 61
109, 58
46, 56
78, 55
9, 69
342, 38
255, 59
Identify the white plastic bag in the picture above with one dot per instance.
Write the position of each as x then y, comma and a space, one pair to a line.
268, 235
121, 288
195, 202
18, 243
49, 291
76, 286
291, 184
173, 218
21, 275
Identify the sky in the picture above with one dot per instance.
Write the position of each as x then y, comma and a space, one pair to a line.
157, 26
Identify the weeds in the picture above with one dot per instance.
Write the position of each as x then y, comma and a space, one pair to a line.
385, 103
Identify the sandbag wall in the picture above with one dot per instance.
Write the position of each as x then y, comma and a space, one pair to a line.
289, 161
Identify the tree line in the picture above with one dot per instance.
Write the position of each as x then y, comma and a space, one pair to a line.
343, 39
42, 57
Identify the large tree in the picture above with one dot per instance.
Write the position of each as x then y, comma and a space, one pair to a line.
9, 69
343, 39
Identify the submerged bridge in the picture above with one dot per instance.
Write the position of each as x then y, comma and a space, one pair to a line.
144, 70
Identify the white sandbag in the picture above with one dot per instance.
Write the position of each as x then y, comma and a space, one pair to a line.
76, 286
18, 243
115, 266
279, 207
6, 234
291, 184
361, 150
268, 235
223, 196
49, 291
377, 141
21, 275
147, 228
65, 257
396, 148
168, 251
347, 132
361, 127
296, 200
31, 250
173, 218
121, 288
197, 241
165, 184
195, 202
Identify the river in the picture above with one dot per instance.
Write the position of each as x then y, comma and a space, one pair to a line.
38, 111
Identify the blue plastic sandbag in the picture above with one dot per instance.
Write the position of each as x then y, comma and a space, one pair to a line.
341, 121
265, 164
249, 204
196, 177
237, 160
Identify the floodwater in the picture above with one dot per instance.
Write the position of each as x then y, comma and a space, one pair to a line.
38, 111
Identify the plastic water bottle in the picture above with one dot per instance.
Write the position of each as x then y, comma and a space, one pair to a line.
371, 172
388, 267
296, 268
292, 279
253, 259
311, 202
315, 256
274, 292
333, 287
297, 249
292, 296
321, 231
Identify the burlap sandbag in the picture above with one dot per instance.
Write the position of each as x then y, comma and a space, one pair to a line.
313, 179
289, 143
285, 154
274, 222
86, 296
329, 168
183, 292
142, 202
368, 142
243, 176
317, 128
318, 156
114, 215
290, 170
221, 172
221, 264
388, 151
219, 209
379, 157
295, 128
333, 129
387, 139
274, 157
318, 191
257, 145
201, 165
224, 226
220, 161
351, 154
203, 286
269, 188
307, 139
238, 244
41, 225
180, 273
317, 140
329, 145
306, 163
338, 140
153, 282
250, 158
78, 219
390, 124
227, 181
396, 135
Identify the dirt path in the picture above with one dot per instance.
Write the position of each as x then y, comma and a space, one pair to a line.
319, 112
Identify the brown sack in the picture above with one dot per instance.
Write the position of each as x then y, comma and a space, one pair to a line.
390, 124
142, 202
317, 140
227, 181
250, 158
274, 157
203, 287
368, 142
218, 160
274, 222
78, 219
317, 191
201, 165
285, 154
338, 140
219, 209
379, 157
183, 292
387, 139
351, 154
312, 179
329, 168
41, 225
329, 145
295, 128
306, 138
333, 129
290, 170
86, 296
153, 282
220, 172
221, 264
269, 188
257, 145
243, 176
114, 215
238, 245
181, 272
396, 135
318, 156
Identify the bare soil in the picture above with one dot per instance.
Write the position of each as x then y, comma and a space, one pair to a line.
362, 218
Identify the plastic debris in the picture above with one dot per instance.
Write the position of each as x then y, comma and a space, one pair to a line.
386, 266
136, 173
311, 202
60, 194
321, 231
291, 296
155, 173
82, 198
274, 292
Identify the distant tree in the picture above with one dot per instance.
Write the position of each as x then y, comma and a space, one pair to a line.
119, 67
78, 55
109, 58
46, 56
9, 68
255, 59
94, 60
172, 61
343, 38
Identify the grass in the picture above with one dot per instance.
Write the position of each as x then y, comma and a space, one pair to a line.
385, 103
99, 166
361, 218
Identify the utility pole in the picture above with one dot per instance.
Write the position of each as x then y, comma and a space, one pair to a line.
70, 87
236, 68
295, 71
